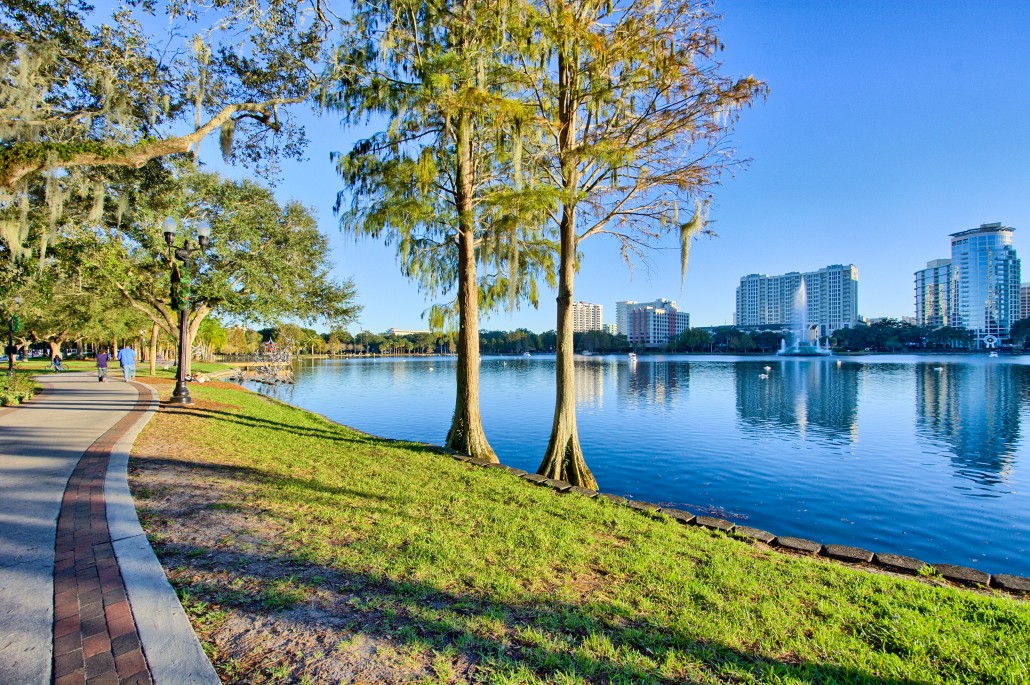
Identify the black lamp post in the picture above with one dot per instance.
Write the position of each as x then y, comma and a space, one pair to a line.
11, 325
181, 300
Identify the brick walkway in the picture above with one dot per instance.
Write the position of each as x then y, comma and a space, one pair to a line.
95, 636
83, 597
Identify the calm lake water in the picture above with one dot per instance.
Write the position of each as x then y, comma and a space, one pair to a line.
921, 456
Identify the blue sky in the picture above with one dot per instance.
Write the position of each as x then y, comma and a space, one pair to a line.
888, 126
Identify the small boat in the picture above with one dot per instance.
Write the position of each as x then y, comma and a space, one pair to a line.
525, 354
632, 357
992, 353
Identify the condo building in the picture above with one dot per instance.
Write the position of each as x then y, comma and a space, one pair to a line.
830, 296
650, 324
933, 294
986, 289
977, 289
587, 317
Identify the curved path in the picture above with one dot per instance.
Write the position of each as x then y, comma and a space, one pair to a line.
83, 598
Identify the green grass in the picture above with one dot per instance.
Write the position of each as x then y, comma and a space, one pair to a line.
536, 587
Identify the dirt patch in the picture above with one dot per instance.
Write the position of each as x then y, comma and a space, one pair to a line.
266, 617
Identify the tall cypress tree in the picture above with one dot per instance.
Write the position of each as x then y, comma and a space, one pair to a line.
436, 182
633, 116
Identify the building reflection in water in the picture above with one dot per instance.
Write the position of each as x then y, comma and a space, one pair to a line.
590, 381
796, 397
972, 410
652, 384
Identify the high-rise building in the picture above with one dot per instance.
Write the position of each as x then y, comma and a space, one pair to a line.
587, 317
622, 316
831, 295
986, 273
1024, 300
933, 294
651, 324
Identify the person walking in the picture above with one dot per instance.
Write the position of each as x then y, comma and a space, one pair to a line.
127, 358
102, 359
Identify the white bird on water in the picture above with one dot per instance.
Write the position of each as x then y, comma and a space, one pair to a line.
767, 368
763, 376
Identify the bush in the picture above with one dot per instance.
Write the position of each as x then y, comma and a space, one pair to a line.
16, 389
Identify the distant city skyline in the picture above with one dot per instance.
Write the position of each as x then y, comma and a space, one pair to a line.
888, 126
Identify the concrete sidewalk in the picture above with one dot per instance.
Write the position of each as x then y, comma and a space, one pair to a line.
82, 595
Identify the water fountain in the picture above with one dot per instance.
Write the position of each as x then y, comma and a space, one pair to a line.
802, 346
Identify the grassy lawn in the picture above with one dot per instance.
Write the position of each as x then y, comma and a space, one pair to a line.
308, 552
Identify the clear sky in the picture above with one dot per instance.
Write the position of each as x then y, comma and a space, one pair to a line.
888, 126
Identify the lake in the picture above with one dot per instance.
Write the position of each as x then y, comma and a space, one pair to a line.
922, 456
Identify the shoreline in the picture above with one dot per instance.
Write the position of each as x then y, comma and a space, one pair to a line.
857, 557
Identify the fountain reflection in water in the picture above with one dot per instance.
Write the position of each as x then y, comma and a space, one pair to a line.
802, 345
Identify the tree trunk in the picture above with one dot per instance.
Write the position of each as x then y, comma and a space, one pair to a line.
192, 328
466, 434
153, 350
55, 348
563, 459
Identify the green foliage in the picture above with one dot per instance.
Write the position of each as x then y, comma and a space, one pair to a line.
16, 389
1021, 332
84, 83
891, 335
693, 340
264, 261
447, 163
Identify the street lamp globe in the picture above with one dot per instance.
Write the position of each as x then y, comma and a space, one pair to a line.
203, 232
169, 227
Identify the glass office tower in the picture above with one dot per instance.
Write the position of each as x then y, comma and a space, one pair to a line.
985, 269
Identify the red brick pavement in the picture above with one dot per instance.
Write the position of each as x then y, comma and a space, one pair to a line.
95, 637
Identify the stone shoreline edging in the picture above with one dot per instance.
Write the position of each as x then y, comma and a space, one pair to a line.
855, 556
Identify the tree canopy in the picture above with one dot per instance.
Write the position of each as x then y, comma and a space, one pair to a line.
632, 114
264, 261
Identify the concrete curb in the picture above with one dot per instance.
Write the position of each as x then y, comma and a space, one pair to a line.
169, 643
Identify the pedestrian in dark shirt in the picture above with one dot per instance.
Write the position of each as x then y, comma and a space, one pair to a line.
102, 359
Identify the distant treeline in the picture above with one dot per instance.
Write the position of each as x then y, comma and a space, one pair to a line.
886, 335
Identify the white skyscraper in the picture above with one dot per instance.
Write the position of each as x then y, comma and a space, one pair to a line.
832, 296
587, 317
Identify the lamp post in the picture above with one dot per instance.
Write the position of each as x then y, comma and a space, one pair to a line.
181, 299
12, 325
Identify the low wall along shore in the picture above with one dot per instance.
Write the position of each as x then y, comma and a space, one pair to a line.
851, 555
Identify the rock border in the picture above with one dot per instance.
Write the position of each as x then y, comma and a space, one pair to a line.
846, 554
